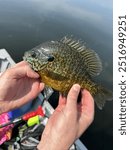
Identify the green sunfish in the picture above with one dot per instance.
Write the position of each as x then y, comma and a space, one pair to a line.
63, 63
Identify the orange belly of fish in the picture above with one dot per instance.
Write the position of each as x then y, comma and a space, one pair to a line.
61, 86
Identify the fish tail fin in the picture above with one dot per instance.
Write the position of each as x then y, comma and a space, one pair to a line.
102, 96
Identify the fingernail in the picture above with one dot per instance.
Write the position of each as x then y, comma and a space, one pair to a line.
76, 87
41, 86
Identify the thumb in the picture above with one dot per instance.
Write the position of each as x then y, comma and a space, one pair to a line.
31, 73
73, 96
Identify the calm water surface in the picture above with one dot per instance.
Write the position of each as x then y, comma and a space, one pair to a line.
27, 23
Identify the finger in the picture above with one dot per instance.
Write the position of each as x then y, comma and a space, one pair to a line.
19, 64
31, 73
18, 103
35, 90
87, 111
22, 69
62, 100
42, 85
87, 102
73, 96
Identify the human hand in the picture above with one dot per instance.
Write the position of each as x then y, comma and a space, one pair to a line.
68, 121
18, 85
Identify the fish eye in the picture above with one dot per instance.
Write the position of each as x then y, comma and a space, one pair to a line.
50, 58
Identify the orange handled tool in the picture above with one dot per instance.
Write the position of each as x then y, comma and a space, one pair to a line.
38, 111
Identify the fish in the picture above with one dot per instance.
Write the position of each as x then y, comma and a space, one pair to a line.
68, 61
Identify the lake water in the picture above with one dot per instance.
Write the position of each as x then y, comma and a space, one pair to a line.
27, 23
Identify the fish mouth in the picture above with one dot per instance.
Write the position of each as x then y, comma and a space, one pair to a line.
33, 63
26, 55
36, 61
29, 62
24, 58
27, 58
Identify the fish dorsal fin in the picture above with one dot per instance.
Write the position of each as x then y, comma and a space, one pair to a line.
90, 57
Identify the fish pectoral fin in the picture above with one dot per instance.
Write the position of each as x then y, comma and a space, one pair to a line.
56, 76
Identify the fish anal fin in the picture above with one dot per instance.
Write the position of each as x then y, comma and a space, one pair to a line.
102, 96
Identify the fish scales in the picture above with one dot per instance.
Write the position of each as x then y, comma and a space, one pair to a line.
66, 62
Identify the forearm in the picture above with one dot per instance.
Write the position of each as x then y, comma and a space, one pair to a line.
53, 144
